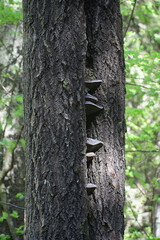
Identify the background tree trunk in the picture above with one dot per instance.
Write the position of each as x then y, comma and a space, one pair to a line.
57, 60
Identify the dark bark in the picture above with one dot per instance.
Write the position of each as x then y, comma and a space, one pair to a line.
106, 61
55, 63
54, 66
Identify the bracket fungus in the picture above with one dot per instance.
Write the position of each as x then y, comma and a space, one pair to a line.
93, 144
91, 98
90, 187
92, 108
93, 84
90, 156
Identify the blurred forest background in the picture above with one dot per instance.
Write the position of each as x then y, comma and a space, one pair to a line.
141, 30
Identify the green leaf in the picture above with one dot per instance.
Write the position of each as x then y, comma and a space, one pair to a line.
20, 230
4, 236
20, 195
4, 215
14, 214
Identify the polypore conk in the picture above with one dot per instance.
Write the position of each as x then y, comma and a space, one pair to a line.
93, 144
92, 108
90, 156
90, 187
93, 85
91, 98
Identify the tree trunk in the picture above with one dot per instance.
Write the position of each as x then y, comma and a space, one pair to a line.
156, 211
66, 43
106, 61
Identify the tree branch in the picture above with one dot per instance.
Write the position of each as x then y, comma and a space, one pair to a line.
152, 151
12, 205
138, 85
135, 1
5, 172
136, 218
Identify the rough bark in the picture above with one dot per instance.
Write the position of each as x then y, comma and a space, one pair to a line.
105, 60
54, 67
57, 61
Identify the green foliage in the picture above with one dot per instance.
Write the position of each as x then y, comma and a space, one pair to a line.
20, 195
4, 216
10, 12
11, 108
142, 110
4, 236
14, 214
20, 230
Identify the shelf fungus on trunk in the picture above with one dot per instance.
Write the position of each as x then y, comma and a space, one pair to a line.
90, 188
92, 108
93, 145
91, 98
93, 84
90, 156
